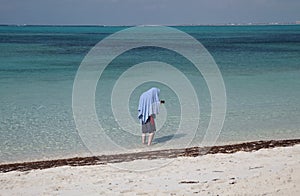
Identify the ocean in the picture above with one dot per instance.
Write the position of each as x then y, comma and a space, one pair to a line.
260, 66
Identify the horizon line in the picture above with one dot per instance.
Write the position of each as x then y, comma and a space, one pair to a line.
131, 25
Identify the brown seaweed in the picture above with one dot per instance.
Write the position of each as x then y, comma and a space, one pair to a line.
170, 153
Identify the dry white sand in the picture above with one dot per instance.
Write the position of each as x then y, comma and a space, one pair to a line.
264, 172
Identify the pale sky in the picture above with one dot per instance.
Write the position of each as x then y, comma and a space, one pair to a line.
147, 12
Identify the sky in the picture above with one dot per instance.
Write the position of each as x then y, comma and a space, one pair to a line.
147, 12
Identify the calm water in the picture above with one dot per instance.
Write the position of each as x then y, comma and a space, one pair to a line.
260, 67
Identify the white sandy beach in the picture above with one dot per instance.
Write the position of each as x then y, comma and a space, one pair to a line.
264, 172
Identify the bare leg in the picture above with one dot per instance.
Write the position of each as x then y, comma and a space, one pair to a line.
143, 138
151, 135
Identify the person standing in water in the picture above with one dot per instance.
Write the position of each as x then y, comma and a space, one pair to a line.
148, 109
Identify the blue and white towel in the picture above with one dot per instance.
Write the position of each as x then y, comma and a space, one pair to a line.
148, 104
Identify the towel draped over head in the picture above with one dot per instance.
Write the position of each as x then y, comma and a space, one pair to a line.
148, 104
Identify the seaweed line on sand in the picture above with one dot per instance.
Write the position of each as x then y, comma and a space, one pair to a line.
170, 153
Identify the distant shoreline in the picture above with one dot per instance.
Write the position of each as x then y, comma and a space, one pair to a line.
169, 25
170, 153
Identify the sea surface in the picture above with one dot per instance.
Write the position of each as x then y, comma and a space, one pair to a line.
260, 66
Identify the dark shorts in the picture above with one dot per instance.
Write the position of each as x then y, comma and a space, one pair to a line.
148, 127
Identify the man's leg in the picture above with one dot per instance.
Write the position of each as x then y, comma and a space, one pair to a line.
151, 135
152, 130
143, 138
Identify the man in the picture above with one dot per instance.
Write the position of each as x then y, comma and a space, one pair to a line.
148, 109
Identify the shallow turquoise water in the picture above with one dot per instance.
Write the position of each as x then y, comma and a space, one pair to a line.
260, 67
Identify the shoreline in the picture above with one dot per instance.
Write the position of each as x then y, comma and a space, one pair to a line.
271, 171
157, 154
